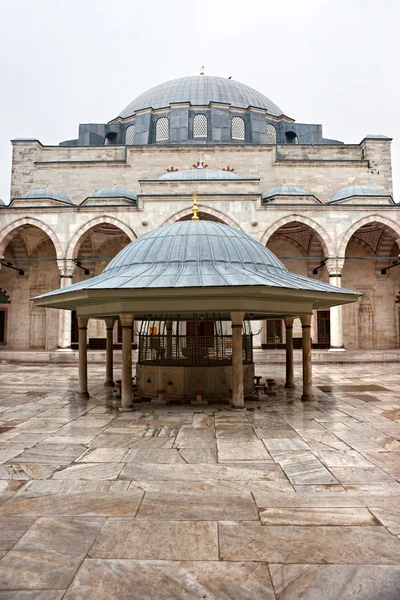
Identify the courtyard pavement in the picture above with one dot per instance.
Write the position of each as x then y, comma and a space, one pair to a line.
283, 500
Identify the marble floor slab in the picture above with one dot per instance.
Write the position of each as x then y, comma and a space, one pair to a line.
317, 516
334, 582
198, 506
80, 503
254, 450
307, 544
162, 580
49, 554
200, 502
157, 540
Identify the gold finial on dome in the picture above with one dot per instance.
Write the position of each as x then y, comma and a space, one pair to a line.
202, 71
195, 208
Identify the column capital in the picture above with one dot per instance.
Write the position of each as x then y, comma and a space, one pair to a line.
305, 320
289, 322
237, 318
82, 322
335, 266
66, 267
110, 322
126, 320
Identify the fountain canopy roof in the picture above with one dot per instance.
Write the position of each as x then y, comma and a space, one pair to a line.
204, 257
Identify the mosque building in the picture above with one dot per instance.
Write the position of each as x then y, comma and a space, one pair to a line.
324, 208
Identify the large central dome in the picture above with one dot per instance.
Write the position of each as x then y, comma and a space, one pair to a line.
200, 90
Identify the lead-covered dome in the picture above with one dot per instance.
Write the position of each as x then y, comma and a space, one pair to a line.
46, 194
356, 190
189, 254
200, 90
114, 192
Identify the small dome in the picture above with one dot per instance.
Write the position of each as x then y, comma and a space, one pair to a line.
199, 174
200, 90
286, 190
356, 190
114, 192
43, 193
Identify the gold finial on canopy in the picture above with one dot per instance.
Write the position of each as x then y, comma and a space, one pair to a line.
202, 71
195, 208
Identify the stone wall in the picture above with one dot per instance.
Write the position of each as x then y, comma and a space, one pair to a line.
321, 170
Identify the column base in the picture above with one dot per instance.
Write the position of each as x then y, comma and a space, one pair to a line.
289, 386
83, 394
126, 408
307, 397
109, 384
64, 350
341, 349
240, 407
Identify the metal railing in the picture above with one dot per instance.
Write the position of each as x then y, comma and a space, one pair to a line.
191, 350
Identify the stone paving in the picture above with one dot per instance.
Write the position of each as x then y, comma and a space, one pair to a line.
283, 500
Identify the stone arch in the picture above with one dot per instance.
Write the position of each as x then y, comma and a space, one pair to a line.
325, 238
6, 234
394, 227
204, 209
97, 221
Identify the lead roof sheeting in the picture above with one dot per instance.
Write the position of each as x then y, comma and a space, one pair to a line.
356, 190
197, 254
200, 90
46, 193
286, 190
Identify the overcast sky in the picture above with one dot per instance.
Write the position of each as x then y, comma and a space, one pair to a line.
65, 62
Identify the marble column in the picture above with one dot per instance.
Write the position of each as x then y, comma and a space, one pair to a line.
307, 360
237, 359
64, 323
289, 353
109, 351
83, 378
335, 267
126, 386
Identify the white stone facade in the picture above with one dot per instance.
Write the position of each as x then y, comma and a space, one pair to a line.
43, 237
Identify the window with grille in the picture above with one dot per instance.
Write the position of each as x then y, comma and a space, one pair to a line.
130, 135
271, 134
200, 126
237, 128
162, 129
274, 331
324, 327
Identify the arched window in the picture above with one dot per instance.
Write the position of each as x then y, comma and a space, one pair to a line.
130, 135
271, 134
162, 129
237, 128
200, 126
291, 137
